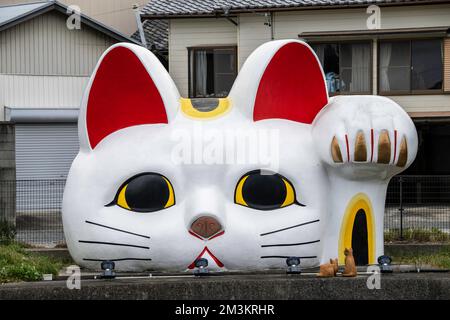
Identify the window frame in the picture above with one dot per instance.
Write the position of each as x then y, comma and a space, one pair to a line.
356, 41
192, 66
409, 92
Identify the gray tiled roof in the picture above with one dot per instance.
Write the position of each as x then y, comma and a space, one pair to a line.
156, 34
210, 7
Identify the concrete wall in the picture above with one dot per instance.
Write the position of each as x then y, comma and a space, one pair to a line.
252, 32
7, 173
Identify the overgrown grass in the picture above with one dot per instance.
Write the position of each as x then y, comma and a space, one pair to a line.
18, 265
417, 235
439, 259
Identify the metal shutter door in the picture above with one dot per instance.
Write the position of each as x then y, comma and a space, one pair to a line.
45, 151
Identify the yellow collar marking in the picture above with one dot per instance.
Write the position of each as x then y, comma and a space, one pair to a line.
188, 109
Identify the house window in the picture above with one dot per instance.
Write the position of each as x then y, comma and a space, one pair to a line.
212, 71
413, 66
347, 66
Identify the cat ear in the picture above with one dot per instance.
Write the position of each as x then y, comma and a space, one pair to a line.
129, 87
281, 79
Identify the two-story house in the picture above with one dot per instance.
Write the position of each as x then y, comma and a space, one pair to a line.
399, 49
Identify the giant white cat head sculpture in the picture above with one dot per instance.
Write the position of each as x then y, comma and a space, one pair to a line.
128, 201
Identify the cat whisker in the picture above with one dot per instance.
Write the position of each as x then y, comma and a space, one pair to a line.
119, 259
116, 229
288, 228
285, 257
114, 244
289, 244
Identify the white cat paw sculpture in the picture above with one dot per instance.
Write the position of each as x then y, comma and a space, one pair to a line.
127, 200
369, 137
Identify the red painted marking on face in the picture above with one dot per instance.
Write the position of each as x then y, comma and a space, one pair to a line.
217, 235
371, 145
204, 239
395, 145
292, 86
217, 261
193, 234
348, 149
122, 95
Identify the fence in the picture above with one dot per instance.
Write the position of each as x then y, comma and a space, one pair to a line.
416, 206
31, 210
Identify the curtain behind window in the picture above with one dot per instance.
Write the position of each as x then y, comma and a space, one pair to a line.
385, 61
360, 68
320, 52
201, 66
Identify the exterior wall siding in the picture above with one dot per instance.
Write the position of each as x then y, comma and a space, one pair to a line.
41, 91
252, 34
288, 25
424, 104
44, 46
291, 24
185, 33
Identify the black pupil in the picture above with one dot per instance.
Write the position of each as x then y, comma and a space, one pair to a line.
264, 192
147, 193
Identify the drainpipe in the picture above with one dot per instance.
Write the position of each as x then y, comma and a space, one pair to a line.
139, 25
269, 23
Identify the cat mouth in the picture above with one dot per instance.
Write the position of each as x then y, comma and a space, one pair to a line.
207, 254
216, 235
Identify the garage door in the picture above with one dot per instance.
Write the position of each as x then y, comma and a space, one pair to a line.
45, 151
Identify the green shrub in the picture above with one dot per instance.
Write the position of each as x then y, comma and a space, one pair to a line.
7, 233
18, 265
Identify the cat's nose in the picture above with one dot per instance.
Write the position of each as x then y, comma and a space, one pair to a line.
206, 226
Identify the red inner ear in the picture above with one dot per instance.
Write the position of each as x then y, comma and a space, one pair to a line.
292, 86
122, 95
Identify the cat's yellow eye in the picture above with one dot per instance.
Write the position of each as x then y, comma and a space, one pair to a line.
264, 191
146, 192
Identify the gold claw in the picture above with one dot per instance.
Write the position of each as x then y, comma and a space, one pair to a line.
360, 148
384, 148
336, 151
403, 153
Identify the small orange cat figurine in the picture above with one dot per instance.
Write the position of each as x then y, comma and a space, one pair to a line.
350, 266
329, 269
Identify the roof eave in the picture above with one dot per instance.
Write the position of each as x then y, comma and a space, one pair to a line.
63, 9
231, 12
97, 25
26, 16
377, 33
